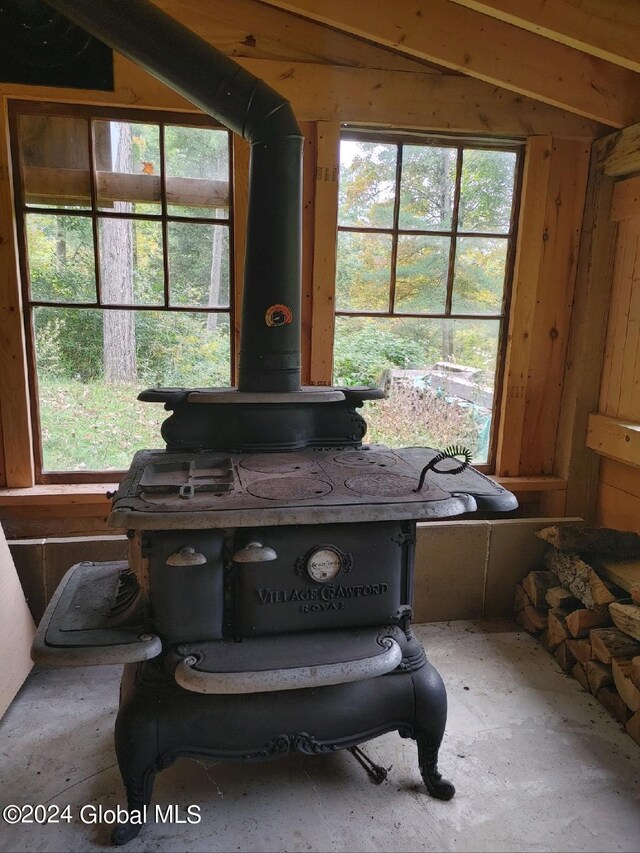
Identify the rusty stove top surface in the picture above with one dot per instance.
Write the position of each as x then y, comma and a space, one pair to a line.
193, 490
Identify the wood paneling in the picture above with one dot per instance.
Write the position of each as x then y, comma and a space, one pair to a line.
615, 431
359, 95
14, 389
327, 169
546, 259
489, 49
587, 340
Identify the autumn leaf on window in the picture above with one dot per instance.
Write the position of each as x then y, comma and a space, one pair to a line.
147, 168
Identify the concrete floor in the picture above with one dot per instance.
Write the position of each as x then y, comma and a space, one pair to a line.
538, 766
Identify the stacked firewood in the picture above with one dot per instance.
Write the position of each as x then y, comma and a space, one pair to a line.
584, 605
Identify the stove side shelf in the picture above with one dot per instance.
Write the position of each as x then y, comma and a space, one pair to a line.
77, 629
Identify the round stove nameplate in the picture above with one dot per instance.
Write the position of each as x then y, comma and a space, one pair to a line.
383, 485
289, 489
364, 459
276, 463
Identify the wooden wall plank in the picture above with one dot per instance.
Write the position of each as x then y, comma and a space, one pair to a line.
629, 396
545, 272
489, 49
523, 302
308, 238
359, 95
324, 255
626, 199
626, 248
240, 207
14, 386
552, 322
617, 508
620, 476
574, 461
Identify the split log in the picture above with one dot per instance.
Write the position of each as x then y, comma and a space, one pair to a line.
626, 617
580, 649
598, 675
635, 592
630, 694
581, 621
635, 671
564, 657
623, 573
580, 579
544, 639
531, 619
557, 627
536, 585
582, 539
580, 674
558, 596
610, 699
608, 644
633, 727
520, 599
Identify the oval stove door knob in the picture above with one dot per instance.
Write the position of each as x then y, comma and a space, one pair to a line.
186, 556
254, 552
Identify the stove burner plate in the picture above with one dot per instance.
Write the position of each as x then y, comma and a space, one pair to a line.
364, 458
276, 463
289, 488
389, 485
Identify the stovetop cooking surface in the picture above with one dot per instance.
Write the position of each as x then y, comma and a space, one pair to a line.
316, 485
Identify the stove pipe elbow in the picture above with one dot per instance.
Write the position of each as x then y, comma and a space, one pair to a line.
270, 331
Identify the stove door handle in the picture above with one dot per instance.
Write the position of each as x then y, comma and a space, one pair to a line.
295, 678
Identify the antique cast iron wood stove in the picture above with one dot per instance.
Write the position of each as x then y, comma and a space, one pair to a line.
266, 604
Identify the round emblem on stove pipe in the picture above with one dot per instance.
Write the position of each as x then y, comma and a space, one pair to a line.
278, 315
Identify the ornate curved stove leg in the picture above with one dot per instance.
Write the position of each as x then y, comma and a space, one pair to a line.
438, 787
430, 721
138, 798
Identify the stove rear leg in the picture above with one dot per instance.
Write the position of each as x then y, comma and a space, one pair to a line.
430, 722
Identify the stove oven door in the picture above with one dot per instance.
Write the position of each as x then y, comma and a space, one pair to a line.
314, 577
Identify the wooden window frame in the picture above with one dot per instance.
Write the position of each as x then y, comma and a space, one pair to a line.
460, 144
91, 114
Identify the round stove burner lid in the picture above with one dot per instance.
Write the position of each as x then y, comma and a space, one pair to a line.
289, 489
276, 463
364, 459
382, 485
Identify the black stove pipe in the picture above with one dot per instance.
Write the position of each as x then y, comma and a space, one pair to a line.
270, 333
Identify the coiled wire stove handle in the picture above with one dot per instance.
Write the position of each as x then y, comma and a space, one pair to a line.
451, 452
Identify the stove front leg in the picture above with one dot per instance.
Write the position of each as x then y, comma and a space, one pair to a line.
430, 722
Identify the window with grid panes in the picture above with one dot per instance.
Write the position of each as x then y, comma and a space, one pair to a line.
124, 229
424, 260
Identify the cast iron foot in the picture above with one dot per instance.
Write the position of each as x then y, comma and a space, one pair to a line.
437, 787
125, 832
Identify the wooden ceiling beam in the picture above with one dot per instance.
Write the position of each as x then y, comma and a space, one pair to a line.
609, 29
496, 52
247, 28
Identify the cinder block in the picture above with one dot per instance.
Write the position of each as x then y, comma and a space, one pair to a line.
450, 570
514, 551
